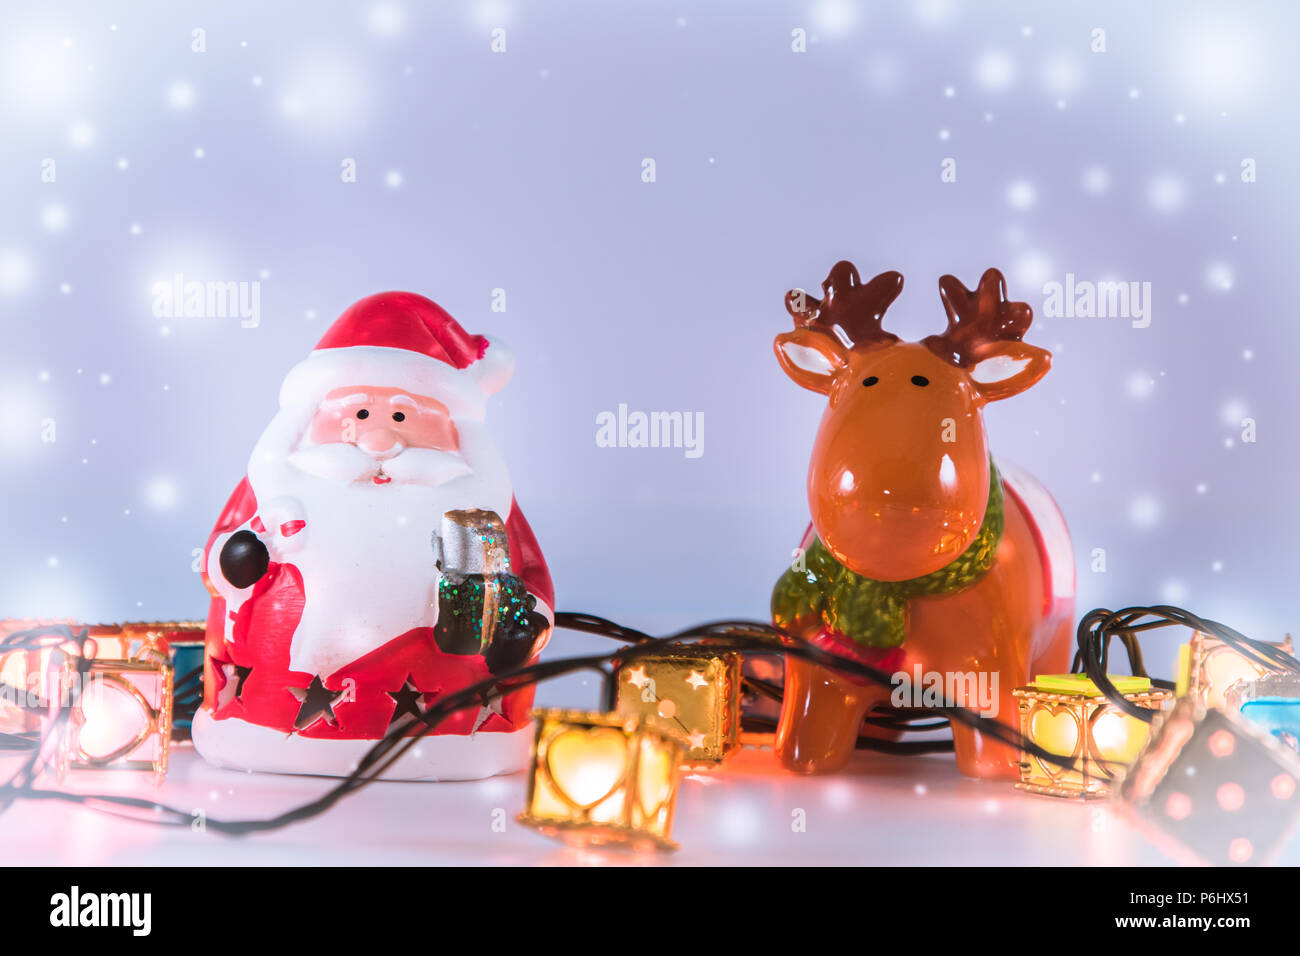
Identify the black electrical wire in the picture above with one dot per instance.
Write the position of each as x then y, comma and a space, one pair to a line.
723, 636
1097, 627
1094, 632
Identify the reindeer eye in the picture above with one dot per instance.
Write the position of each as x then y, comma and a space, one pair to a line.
399, 417
363, 414
920, 380
870, 380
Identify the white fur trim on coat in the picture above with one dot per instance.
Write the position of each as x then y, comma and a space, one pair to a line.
239, 745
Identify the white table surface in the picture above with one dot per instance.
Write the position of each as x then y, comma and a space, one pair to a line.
881, 810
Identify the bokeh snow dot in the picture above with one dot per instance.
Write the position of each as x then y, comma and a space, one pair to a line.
1144, 511
1096, 179
834, 17
385, 19
181, 95
1139, 385
54, 217
1166, 193
1021, 194
1032, 269
161, 494
1233, 412
995, 71
1062, 75
1219, 276
81, 135
15, 272
327, 91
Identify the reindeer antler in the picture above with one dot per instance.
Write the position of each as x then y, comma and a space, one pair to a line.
855, 309
977, 319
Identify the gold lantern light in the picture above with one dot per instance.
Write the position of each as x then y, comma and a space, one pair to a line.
122, 642
1208, 666
602, 779
121, 717
29, 676
1067, 715
688, 690
20, 698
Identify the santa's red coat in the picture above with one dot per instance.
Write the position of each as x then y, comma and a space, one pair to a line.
248, 677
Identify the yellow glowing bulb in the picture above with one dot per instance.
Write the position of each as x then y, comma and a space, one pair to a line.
113, 719
1118, 736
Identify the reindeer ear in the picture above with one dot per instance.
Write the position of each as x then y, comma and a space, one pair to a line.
811, 357
1008, 368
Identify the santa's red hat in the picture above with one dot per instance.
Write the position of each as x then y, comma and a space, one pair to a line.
402, 340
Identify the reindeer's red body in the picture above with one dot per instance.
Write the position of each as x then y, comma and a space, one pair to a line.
898, 486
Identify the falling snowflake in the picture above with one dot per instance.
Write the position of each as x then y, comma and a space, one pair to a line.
1062, 75
1144, 511
54, 217
181, 95
994, 71
1032, 269
1219, 276
1021, 194
834, 17
385, 19
1096, 180
1139, 385
161, 494
1166, 193
81, 135
15, 271
1233, 412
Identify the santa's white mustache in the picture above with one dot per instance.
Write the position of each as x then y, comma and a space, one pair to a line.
339, 461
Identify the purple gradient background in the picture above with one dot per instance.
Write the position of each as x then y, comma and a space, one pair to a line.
522, 171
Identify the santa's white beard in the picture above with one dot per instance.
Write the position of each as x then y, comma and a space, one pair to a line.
366, 550
343, 462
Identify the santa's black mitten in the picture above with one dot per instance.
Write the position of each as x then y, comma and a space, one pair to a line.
513, 641
244, 559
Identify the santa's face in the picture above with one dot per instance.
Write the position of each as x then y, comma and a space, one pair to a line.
380, 435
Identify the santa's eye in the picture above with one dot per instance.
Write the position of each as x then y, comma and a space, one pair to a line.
399, 416
363, 414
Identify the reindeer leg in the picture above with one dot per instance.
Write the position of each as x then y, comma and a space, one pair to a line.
821, 716
980, 755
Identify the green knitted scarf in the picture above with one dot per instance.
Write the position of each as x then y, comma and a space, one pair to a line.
871, 613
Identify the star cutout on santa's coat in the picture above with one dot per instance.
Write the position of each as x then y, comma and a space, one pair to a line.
317, 702
696, 740
636, 676
230, 679
408, 698
492, 704
697, 680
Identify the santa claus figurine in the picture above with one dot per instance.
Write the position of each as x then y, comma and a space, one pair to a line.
374, 560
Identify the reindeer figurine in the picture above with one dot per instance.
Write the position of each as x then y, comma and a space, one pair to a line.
925, 558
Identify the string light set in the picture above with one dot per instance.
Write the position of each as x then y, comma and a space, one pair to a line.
610, 776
